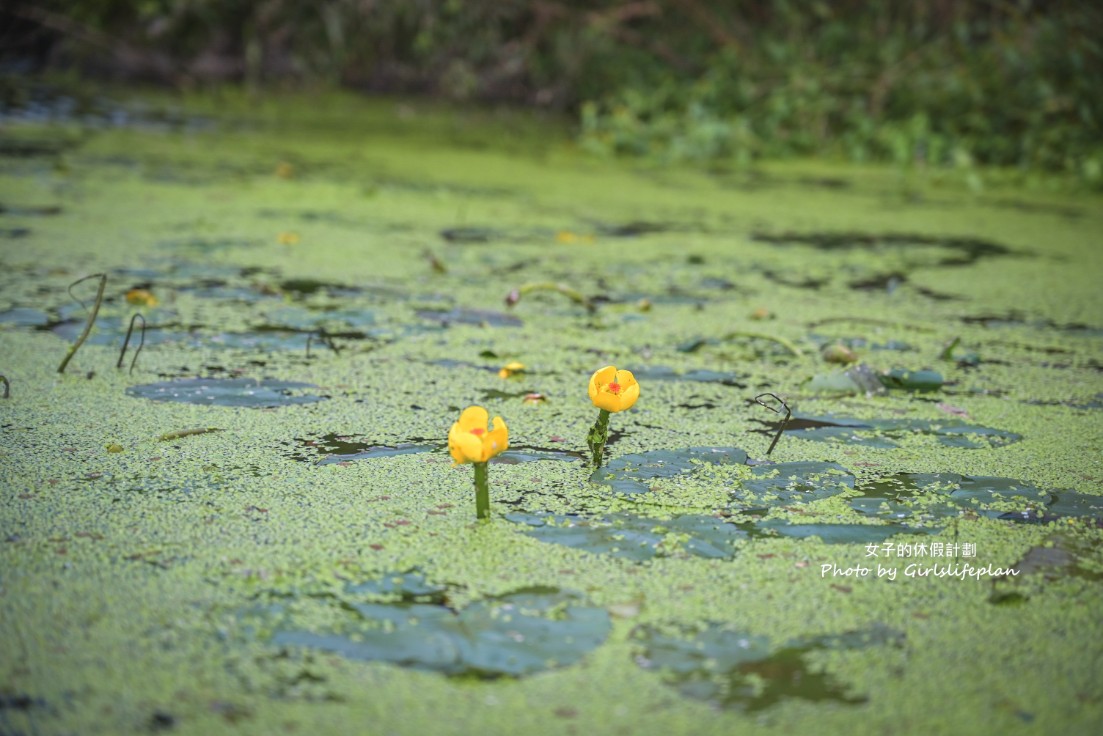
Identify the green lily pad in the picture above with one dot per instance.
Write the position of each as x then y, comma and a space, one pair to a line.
24, 317
739, 670
519, 454
636, 538
598, 536
702, 375
298, 318
926, 496
919, 381
247, 392
882, 433
782, 484
459, 315
411, 587
861, 379
840, 533
377, 451
517, 634
112, 331
1071, 503
630, 473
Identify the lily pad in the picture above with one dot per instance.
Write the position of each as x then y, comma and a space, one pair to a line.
519, 454
598, 536
882, 432
702, 375
636, 538
24, 317
247, 392
1071, 503
784, 484
378, 451
630, 473
925, 496
463, 316
920, 381
527, 631
112, 331
739, 670
411, 587
840, 533
861, 379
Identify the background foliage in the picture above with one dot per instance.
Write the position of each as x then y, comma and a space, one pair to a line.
944, 82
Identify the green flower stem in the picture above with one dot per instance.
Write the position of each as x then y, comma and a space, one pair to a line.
597, 436
482, 492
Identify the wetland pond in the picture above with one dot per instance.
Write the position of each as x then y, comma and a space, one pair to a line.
252, 523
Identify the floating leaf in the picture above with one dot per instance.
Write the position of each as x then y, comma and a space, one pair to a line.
1071, 503
517, 634
518, 454
629, 473
410, 586
227, 392
112, 331
737, 669
459, 315
924, 496
840, 533
788, 483
636, 538
921, 381
702, 375
25, 317
598, 536
881, 433
378, 451
861, 379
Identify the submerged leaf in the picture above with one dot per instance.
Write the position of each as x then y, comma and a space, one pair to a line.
527, 631
227, 392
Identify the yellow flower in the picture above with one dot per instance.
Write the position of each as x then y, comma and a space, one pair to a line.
288, 238
470, 441
511, 368
141, 297
613, 390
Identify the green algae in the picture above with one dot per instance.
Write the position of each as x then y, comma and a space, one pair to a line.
124, 572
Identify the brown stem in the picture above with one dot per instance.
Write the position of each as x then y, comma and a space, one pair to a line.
91, 319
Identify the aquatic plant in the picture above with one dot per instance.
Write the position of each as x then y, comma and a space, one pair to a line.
611, 391
472, 441
91, 317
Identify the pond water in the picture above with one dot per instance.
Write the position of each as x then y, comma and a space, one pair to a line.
259, 527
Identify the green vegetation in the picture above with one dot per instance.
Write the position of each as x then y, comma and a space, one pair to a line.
925, 83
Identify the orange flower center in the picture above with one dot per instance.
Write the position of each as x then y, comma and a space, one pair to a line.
613, 388
478, 431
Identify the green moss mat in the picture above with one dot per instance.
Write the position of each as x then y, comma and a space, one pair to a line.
130, 580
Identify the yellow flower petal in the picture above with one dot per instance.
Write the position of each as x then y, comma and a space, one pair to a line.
473, 417
471, 441
496, 441
613, 390
601, 377
509, 369
629, 396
